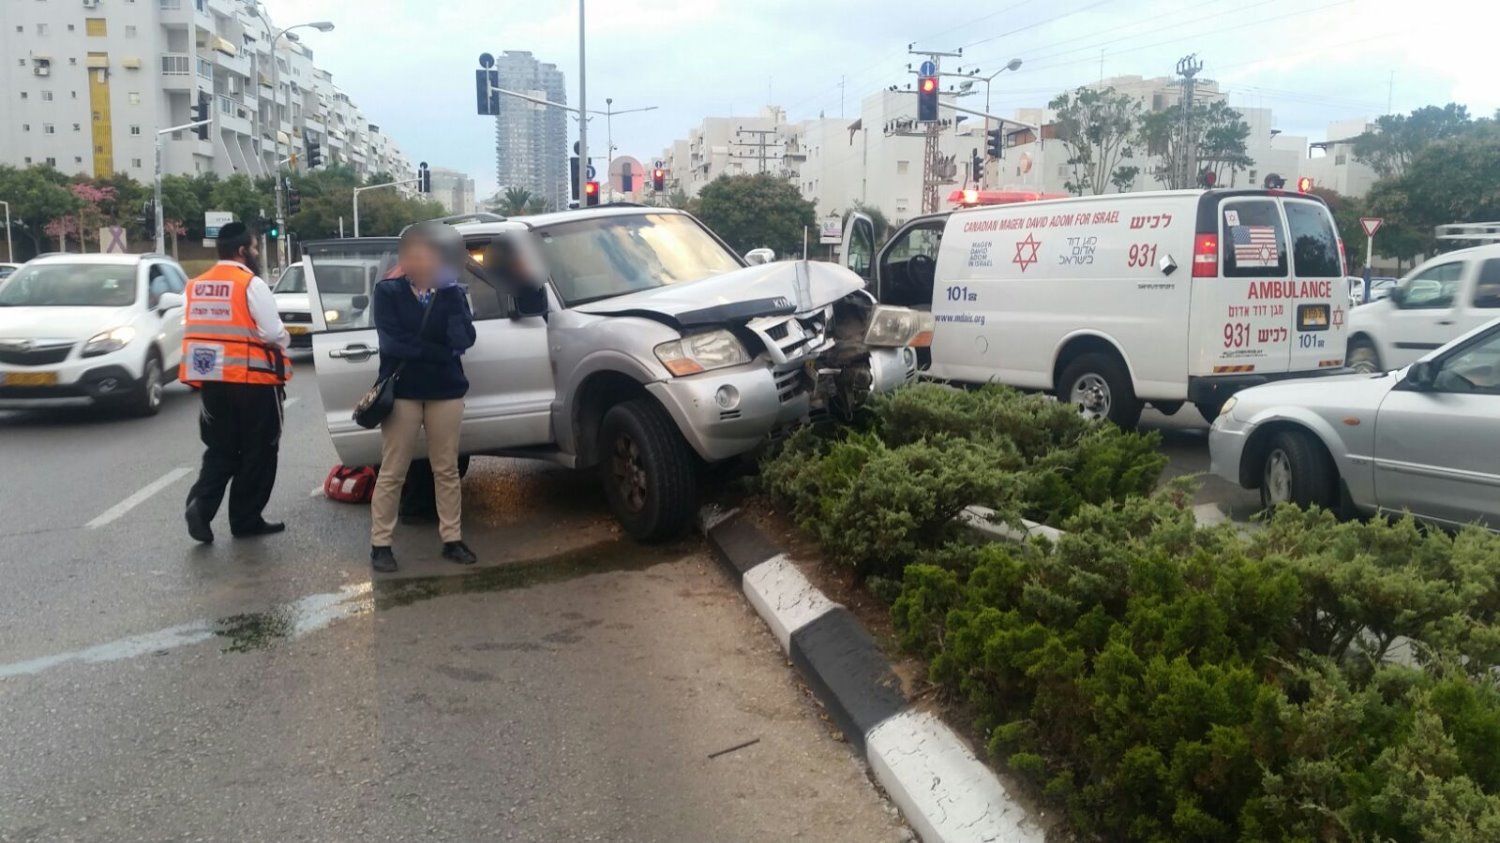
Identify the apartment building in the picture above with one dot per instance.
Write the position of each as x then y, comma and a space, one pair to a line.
87, 83
453, 190
531, 141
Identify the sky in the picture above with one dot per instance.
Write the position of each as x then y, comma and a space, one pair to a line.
409, 63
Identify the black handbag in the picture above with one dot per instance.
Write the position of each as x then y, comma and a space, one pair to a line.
377, 404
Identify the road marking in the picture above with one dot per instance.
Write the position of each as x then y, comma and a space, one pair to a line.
138, 498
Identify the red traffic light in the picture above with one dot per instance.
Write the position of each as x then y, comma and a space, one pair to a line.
591, 188
658, 174
1305, 184
928, 84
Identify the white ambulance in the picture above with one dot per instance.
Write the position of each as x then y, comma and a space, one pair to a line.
1113, 302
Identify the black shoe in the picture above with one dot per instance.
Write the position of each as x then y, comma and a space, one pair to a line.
264, 528
382, 559
198, 525
459, 553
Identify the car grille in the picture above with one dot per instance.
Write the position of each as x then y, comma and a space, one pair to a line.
791, 338
43, 353
297, 318
790, 384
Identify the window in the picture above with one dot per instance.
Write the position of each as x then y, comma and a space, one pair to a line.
902, 167
49, 129
77, 159
1487, 290
25, 127
136, 163
134, 97
1432, 288
20, 29
28, 159
73, 61
51, 162
1473, 368
1253, 243
77, 127
135, 130
46, 96
1315, 246
861, 248
129, 31
41, 29
23, 95
95, 27
72, 28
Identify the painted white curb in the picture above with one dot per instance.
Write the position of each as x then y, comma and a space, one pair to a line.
784, 598
977, 518
946, 794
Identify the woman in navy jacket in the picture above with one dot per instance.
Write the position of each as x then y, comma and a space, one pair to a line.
430, 388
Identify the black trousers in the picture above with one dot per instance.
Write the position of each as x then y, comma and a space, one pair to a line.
241, 428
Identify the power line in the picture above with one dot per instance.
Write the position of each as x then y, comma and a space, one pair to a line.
1042, 22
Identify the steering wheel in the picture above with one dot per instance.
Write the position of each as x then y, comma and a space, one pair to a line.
922, 270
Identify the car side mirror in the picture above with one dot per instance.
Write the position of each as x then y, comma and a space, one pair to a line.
756, 257
360, 303
1397, 296
169, 301
529, 302
1421, 374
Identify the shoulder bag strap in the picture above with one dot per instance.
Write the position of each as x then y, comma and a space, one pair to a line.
426, 312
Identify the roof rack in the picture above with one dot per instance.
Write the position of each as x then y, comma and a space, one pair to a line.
477, 216
1479, 232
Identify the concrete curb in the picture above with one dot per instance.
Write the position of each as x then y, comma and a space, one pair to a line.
943, 790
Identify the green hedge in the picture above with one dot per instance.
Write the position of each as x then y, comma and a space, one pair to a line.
877, 496
1171, 683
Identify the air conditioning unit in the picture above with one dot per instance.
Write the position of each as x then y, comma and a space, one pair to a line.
42, 70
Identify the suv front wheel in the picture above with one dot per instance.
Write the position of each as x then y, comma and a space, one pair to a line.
650, 474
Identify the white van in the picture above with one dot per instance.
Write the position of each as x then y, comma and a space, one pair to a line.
1112, 302
1436, 303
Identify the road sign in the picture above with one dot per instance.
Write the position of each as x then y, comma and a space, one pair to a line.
831, 231
591, 172
929, 68
212, 222
1370, 225
112, 240
659, 165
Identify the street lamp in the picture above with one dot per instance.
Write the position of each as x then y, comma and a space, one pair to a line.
609, 113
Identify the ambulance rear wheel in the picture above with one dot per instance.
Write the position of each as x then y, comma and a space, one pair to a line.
1099, 386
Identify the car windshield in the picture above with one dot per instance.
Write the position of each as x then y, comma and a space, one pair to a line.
70, 285
610, 256
292, 281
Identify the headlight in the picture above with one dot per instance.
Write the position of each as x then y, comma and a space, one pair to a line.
331, 315
701, 352
1228, 405
894, 327
108, 341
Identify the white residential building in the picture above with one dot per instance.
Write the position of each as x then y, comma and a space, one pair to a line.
453, 190
87, 83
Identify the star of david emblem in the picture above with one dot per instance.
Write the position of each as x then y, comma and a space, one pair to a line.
1338, 317
1022, 259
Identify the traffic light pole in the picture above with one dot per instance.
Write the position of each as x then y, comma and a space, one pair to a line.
359, 190
161, 236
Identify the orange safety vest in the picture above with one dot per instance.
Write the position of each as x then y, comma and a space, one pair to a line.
220, 342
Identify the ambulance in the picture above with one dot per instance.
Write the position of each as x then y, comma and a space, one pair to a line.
1114, 302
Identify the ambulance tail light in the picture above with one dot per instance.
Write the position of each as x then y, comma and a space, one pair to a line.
1343, 258
1206, 256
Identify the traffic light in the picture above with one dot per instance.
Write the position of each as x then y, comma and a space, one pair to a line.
485, 95
994, 144
1207, 178
591, 193
424, 178
927, 99
658, 180
976, 167
314, 154
200, 114
148, 218
293, 201
1305, 184
573, 172
269, 226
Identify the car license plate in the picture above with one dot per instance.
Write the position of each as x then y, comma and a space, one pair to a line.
1312, 317
28, 378
297, 329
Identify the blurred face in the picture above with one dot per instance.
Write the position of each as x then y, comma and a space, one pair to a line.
421, 261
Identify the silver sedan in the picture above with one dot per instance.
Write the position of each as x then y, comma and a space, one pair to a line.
1424, 439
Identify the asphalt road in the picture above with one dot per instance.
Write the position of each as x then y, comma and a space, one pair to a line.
1185, 442
573, 686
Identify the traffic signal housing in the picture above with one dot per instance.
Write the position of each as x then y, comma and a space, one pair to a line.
424, 178
658, 180
591, 193
269, 227
200, 114
314, 154
994, 145
148, 218
293, 201
927, 99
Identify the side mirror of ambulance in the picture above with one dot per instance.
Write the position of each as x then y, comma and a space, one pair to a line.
1166, 265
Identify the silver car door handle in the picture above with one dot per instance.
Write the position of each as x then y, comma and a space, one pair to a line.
1445, 321
355, 352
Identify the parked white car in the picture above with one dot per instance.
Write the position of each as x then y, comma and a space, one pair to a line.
77, 330
1441, 299
1422, 439
290, 293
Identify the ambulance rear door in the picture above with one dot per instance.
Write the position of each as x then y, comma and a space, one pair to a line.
1241, 322
1317, 306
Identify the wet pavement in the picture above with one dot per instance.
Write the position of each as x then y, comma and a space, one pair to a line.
1185, 442
573, 686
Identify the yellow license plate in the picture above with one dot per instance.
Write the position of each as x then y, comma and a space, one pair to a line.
1312, 317
297, 329
28, 378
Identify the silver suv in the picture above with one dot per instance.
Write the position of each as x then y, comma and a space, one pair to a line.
630, 339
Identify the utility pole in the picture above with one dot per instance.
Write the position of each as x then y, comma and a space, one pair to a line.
583, 110
1188, 68
760, 142
933, 164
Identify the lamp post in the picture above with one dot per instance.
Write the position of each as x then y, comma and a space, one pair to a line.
1013, 64
609, 113
10, 251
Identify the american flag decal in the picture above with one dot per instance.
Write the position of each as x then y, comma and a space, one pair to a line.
1254, 245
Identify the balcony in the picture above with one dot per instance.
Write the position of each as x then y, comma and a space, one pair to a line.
177, 72
233, 116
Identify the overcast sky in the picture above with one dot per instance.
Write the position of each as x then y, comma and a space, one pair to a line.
409, 63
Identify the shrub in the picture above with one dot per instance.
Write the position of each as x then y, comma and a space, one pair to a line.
1167, 682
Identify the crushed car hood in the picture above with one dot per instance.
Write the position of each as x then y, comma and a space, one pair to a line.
769, 289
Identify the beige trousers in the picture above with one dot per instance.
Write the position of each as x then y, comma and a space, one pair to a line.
398, 435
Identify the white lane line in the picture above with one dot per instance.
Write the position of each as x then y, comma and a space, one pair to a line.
139, 497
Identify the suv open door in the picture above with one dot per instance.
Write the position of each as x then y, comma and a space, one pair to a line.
509, 371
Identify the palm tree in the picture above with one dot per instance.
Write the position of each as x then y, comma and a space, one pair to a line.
538, 205
515, 201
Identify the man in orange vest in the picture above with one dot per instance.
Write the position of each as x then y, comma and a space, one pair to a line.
234, 354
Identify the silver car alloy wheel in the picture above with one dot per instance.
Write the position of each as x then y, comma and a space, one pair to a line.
1090, 394
1277, 480
154, 385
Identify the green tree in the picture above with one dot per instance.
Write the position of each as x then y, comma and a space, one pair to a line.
1097, 127
754, 211
1220, 132
239, 196
1397, 138
1346, 213
678, 199
37, 196
515, 201
180, 200
877, 216
538, 205
1404, 234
